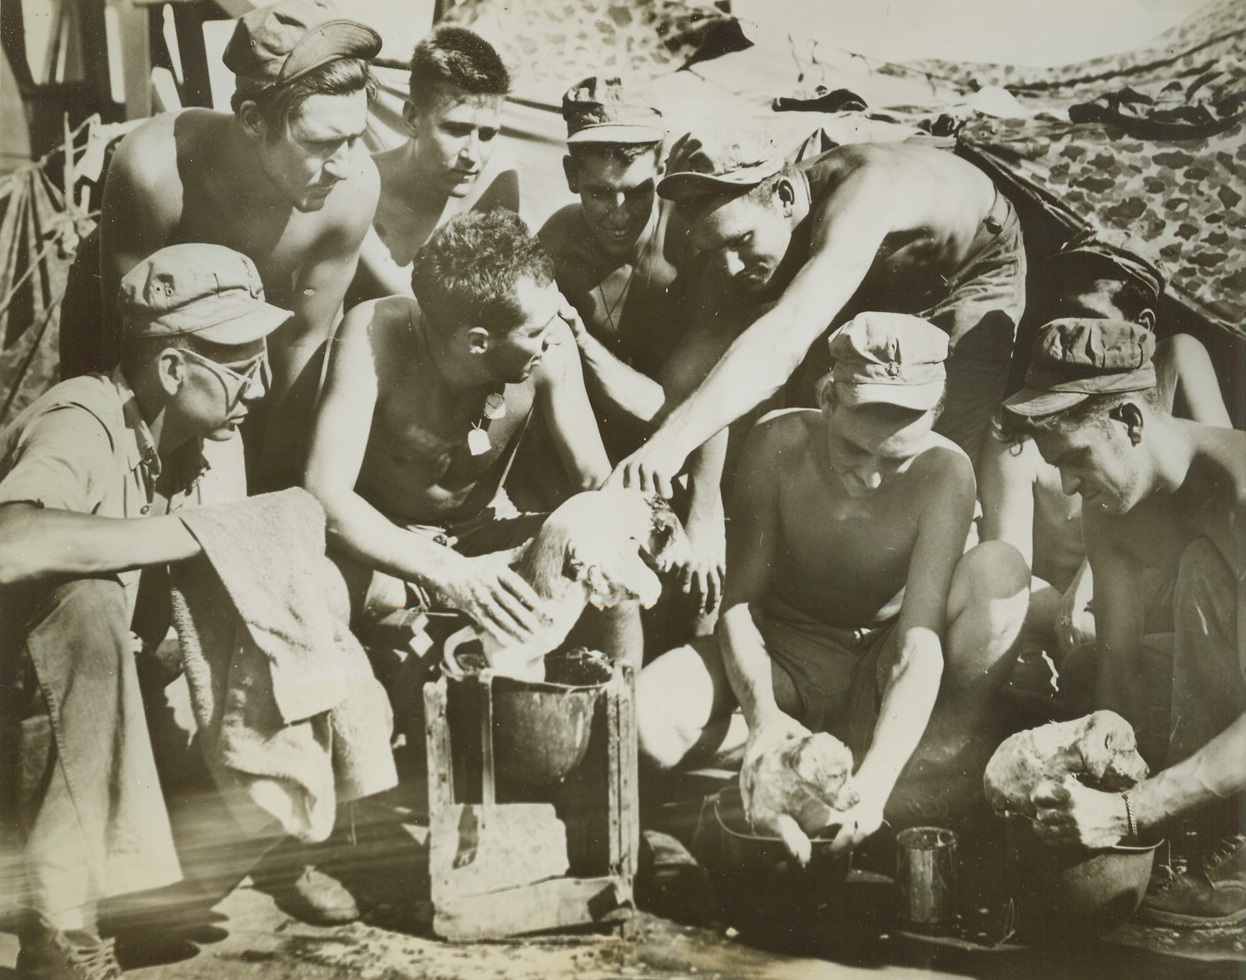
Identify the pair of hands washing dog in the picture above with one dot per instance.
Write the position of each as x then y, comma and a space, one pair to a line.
795, 784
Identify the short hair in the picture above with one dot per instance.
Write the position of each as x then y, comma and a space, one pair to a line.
455, 56
465, 275
278, 104
624, 153
1092, 409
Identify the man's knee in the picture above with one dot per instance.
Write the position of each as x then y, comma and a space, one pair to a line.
991, 579
666, 702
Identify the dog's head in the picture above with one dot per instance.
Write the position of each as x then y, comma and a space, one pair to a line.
824, 763
1109, 751
612, 542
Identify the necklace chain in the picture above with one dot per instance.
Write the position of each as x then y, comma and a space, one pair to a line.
609, 308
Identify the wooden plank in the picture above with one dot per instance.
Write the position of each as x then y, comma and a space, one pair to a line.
555, 904
437, 748
473, 849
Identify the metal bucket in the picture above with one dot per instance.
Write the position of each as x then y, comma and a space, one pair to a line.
1070, 891
542, 729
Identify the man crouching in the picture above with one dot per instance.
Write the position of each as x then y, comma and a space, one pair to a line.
836, 512
424, 406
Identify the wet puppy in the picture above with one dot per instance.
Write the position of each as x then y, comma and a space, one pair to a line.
600, 548
795, 789
1099, 750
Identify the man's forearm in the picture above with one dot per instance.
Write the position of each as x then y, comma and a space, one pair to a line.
625, 388
754, 367
363, 533
37, 543
905, 711
1215, 772
748, 665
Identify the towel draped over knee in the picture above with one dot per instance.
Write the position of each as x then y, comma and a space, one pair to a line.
290, 716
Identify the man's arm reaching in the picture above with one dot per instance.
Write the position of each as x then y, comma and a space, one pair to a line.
37, 542
848, 228
564, 405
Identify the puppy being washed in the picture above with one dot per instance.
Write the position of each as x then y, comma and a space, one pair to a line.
599, 548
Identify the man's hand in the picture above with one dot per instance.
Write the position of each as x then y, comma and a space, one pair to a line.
860, 821
497, 599
702, 575
1070, 813
569, 315
652, 468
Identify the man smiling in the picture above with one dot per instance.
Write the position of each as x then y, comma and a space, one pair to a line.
618, 261
836, 513
283, 179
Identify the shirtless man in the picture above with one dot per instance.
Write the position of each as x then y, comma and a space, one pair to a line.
424, 405
618, 264
284, 179
1165, 526
1093, 275
454, 113
899, 227
835, 511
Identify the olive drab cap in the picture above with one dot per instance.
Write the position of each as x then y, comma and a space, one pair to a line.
1077, 357
209, 291
889, 358
276, 44
1131, 257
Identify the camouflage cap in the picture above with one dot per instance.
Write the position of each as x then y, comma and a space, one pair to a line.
600, 110
1132, 257
1077, 357
719, 161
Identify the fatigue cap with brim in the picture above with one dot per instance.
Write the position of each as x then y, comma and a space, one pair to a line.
1134, 258
889, 358
1077, 357
718, 162
600, 110
208, 291
276, 44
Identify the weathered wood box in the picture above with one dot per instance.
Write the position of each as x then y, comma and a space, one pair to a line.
532, 804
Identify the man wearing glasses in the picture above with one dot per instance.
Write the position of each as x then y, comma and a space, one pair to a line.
92, 476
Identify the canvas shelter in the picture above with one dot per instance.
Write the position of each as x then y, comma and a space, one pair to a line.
1149, 141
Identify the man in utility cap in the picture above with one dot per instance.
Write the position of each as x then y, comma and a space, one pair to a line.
846, 604
92, 476
1103, 275
903, 227
284, 179
618, 262
1165, 528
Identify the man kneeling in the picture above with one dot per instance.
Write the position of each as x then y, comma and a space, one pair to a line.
424, 406
835, 512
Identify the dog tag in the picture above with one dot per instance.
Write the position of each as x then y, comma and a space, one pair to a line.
478, 442
495, 406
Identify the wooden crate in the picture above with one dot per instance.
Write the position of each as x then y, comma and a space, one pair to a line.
506, 861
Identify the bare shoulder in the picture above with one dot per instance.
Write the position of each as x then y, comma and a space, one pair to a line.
148, 160
562, 227
373, 321
352, 204
784, 435
943, 468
